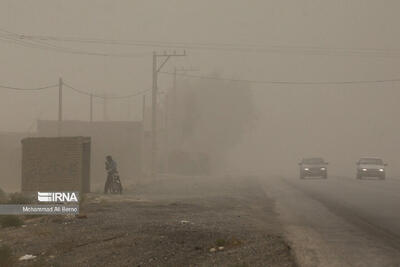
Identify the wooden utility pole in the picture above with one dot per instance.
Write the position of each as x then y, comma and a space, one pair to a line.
91, 108
166, 128
156, 70
154, 118
174, 88
105, 115
143, 108
60, 117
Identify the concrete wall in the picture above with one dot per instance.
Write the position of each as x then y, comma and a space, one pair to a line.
52, 164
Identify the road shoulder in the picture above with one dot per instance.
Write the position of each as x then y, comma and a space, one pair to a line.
320, 236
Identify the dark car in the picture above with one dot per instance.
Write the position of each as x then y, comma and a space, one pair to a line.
313, 167
371, 167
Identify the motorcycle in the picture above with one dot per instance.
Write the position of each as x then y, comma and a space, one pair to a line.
116, 185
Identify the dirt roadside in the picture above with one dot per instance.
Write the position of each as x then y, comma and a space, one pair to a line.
171, 222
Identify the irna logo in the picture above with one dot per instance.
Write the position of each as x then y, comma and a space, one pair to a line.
57, 196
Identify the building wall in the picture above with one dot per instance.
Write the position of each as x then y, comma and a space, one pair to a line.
52, 164
121, 140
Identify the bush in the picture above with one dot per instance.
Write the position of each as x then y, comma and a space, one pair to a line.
220, 242
6, 256
82, 199
3, 196
10, 221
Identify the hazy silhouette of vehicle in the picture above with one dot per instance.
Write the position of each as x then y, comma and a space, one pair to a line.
371, 167
313, 167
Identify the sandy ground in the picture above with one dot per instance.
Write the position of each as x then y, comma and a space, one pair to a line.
170, 222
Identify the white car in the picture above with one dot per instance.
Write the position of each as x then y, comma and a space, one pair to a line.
371, 167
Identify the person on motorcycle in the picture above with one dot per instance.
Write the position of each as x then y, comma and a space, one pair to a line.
111, 168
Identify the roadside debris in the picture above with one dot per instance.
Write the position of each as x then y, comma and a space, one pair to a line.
27, 257
81, 216
213, 250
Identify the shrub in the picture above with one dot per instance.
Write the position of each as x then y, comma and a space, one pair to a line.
3, 196
6, 256
220, 242
10, 221
82, 200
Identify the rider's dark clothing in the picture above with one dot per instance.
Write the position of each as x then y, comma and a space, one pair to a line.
111, 168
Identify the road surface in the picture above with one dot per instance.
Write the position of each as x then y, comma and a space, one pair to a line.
340, 221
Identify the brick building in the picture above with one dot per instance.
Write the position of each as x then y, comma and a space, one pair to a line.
56, 164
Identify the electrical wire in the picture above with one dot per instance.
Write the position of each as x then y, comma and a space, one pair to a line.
229, 47
103, 96
129, 96
81, 91
28, 89
283, 82
15, 38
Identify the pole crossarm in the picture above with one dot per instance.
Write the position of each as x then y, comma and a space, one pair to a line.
162, 64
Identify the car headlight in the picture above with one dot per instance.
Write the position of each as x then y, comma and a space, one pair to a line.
364, 170
323, 169
306, 169
381, 170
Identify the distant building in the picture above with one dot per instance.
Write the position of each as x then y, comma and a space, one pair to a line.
55, 164
122, 140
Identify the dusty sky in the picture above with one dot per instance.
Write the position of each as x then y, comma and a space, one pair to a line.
338, 122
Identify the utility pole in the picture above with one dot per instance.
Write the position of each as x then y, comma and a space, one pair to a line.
129, 113
144, 141
143, 108
156, 69
59, 124
166, 128
91, 107
105, 117
174, 87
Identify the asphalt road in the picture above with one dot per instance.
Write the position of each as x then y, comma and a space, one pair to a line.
340, 221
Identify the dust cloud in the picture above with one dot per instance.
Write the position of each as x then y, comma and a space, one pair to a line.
182, 124
289, 41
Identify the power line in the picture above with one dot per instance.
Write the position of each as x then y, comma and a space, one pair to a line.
18, 39
81, 91
28, 89
131, 95
15, 37
284, 82
69, 50
229, 47
103, 96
